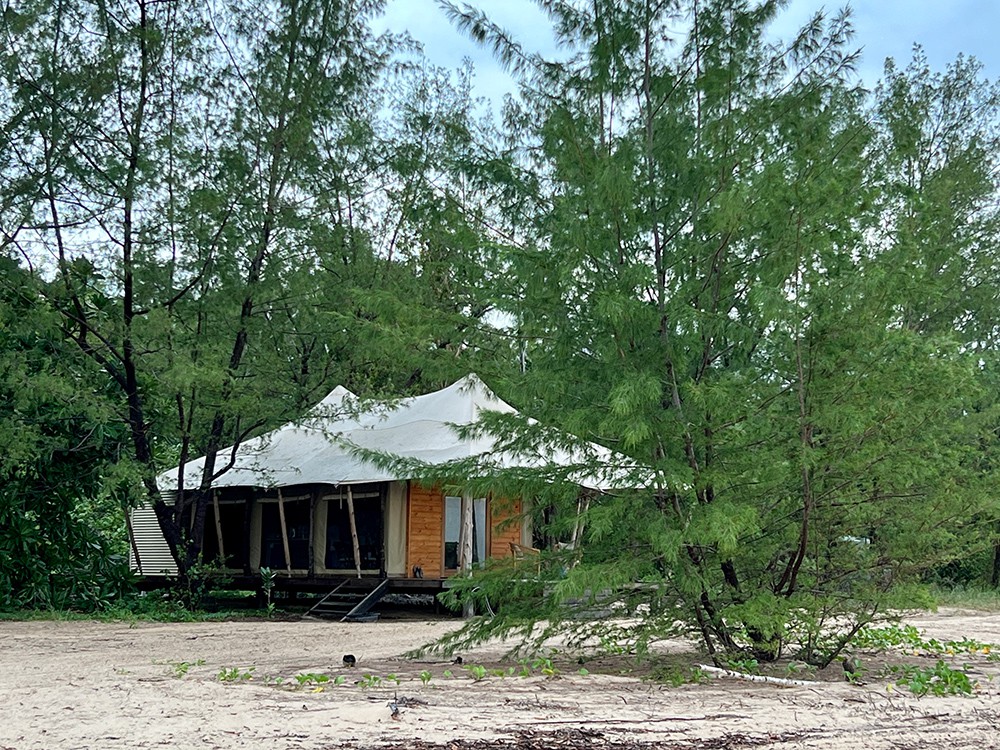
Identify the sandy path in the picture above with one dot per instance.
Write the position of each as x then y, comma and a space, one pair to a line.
94, 685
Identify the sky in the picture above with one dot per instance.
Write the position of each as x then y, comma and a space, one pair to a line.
884, 28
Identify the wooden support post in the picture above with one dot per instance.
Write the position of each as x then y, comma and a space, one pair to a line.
248, 501
465, 542
313, 502
582, 506
354, 531
218, 526
284, 531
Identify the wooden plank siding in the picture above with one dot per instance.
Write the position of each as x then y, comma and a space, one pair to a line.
425, 530
505, 526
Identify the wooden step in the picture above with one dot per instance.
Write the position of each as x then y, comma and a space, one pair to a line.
350, 604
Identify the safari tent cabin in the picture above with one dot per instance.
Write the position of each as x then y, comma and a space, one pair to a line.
299, 500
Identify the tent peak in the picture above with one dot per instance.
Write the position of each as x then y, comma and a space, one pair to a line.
335, 397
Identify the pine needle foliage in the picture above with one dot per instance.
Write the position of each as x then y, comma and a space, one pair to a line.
733, 279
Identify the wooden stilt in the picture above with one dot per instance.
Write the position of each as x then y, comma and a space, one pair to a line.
218, 526
465, 541
313, 502
582, 506
354, 531
284, 531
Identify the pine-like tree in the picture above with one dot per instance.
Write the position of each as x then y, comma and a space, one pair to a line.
707, 288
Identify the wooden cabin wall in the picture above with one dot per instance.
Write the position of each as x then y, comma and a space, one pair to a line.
504, 534
425, 530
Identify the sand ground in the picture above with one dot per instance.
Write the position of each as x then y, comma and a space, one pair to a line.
87, 685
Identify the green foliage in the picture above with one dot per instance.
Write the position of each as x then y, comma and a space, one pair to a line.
909, 639
218, 290
369, 681
476, 671
967, 597
938, 680
236, 674
180, 668
772, 300
267, 580
61, 511
202, 579
769, 292
675, 676
545, 666
307, 679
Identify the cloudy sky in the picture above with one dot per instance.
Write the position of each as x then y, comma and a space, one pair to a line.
884, 28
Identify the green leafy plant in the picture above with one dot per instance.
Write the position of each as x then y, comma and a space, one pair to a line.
236, 674
369, 681
908, 638
180, 668
794, 670
203, 577
675, 675
544, 665
268, 578
476, 671
311, 678
425, 677
939, 680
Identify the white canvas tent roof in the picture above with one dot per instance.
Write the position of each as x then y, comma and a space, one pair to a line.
318, 449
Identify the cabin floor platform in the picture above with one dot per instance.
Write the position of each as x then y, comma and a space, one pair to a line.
310, 584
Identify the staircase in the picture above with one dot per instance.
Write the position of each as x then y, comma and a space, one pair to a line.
351, 600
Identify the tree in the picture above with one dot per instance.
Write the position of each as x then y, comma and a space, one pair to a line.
236, 217
172, 167
705, 292
62, 542
936, 160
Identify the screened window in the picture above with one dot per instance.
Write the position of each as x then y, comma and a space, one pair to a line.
297, 521
232, 519
367, 519
453, 529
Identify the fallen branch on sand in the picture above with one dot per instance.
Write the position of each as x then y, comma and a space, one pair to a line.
754, 677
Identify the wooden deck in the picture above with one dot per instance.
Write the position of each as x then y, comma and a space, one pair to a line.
311, 584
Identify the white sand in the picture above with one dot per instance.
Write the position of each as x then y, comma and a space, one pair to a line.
93, 685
